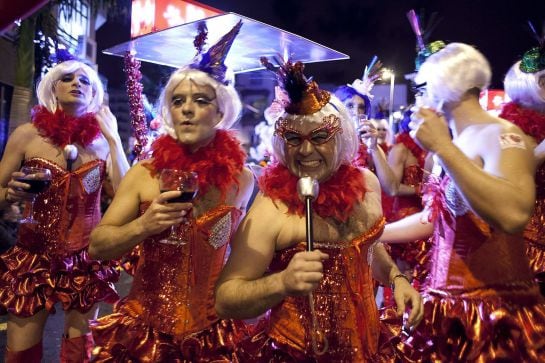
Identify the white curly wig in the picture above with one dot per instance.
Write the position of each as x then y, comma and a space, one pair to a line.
46, 87
452, 71
228, 100
523, 88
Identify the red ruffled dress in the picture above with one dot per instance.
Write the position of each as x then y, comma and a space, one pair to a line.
533, 124
169, 314
416, 253
362, 161
480, 301
50, 263
344, 301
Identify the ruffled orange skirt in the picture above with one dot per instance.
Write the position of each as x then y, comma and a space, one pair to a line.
30, 282
120, 337
476, 329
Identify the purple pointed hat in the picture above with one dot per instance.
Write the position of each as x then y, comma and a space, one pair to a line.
213, 60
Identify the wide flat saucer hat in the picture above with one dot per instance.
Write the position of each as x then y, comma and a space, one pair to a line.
174, 46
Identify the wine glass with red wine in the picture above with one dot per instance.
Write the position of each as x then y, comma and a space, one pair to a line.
39, 180
188, 183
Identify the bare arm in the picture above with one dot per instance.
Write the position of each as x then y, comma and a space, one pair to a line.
389, 170
539, 153
503, 191
408, 229
119, 163
121, 228
386, 271
246, 188
242, 290
14, 155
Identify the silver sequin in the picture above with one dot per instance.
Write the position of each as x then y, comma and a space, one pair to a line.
91, 180
220, 232
455, 201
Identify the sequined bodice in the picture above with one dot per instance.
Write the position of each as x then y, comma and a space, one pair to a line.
67, 211
344, 302
173, 288
468, 253
535, 230
405, 205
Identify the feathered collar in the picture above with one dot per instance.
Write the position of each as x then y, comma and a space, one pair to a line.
419, 153
62, 129
217, 164
336, 198
530, 121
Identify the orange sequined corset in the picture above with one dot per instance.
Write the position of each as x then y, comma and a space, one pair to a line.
344, 302
173, 286
67, 211
406, 205
468, 254
535, 230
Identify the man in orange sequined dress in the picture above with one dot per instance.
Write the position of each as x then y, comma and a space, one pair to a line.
322, 302
481, 303
168, 315
525, 86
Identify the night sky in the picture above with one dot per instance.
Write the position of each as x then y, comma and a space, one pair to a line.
367, 27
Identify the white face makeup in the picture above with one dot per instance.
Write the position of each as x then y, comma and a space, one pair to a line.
195, 113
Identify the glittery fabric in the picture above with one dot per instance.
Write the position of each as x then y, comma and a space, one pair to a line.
169, 315
416, 253
344, 304
50, 262
534, 234
533, 123
481, 304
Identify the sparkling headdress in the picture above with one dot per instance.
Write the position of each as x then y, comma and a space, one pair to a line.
371, 74
424, 48
534, 59
305, 96
63, 55
212, 62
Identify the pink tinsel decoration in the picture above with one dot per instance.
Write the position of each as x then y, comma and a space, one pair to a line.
136, 105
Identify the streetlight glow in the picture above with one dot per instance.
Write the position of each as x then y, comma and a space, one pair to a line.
387, 74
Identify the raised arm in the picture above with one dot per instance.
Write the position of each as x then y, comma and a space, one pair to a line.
389, 169
119, 163
122, 228
242, 290
502, 192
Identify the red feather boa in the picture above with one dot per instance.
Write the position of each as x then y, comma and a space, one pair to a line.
530, 121
218, 164
419, 153
336, 199
63, 129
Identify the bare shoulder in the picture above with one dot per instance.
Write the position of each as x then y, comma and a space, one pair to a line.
506, 134
138, 176
371, 181
246, 179
398, 148
25, 132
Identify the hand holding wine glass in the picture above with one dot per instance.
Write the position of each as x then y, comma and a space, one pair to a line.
188, 184
38, 180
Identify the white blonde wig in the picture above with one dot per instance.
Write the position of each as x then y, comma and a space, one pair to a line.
228, 100
346, 141
46, 88
523, 88
452, 71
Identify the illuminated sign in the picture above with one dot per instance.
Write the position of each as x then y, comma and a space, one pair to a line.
149, 16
